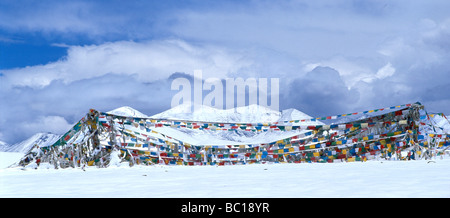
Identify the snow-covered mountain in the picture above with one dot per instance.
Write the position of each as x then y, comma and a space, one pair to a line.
247, 114
127, 111
294, 114
42, 139
3, 145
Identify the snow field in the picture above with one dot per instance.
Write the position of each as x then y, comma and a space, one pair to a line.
372, 179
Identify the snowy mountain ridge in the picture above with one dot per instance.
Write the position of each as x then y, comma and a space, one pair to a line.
3, 145
247, 114
127, 111
41, 139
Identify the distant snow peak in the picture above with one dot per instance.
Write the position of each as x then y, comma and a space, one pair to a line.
246, 114
41, 139
3, 145
127, 111
293, 114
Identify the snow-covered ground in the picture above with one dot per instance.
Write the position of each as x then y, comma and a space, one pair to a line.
409, 179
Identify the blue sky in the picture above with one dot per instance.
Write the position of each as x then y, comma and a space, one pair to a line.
60, 58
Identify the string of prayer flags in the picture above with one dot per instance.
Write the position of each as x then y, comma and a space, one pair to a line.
142, 141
